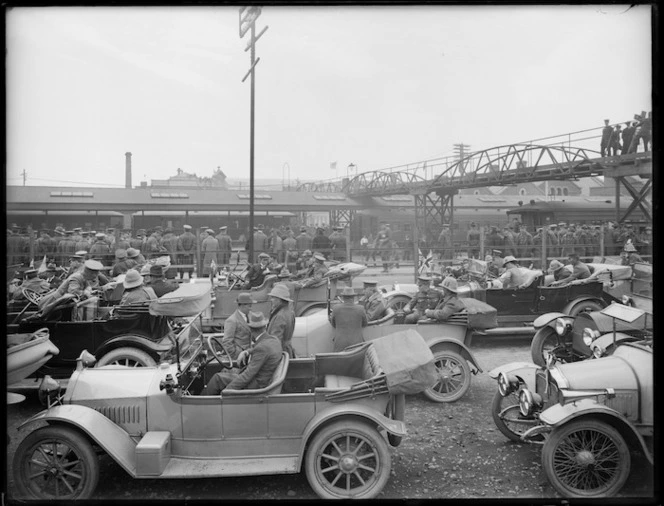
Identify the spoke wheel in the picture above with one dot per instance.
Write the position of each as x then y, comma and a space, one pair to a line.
453, 377
586, 458
128, 357
543, 344
55, 463
508, 418
398, 302
348, 459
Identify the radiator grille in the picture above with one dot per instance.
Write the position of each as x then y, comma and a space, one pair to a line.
550, 396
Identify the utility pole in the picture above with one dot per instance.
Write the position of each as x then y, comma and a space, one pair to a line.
24, 174
248, 17
461, 150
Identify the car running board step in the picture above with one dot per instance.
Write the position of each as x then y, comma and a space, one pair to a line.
499, 331
208, 467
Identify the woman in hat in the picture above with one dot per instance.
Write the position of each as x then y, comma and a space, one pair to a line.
134, 289
348, 320
282, 318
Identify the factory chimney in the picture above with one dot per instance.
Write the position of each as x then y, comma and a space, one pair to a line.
127, 169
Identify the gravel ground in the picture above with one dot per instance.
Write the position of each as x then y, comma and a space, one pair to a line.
452, 451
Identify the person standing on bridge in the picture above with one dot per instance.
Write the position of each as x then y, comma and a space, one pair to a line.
614, 145
607, 133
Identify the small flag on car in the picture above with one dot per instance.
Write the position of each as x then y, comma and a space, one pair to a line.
425, 262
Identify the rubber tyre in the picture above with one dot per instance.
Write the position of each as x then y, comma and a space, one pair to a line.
350, 436
80, 451
544, 339
512, 429
397, 302
563, 450
586, 306
396, 410
453, 375
127, 356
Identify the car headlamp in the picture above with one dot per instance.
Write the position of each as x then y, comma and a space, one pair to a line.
507, 384
49, 391
598, 351
589, 335
529, 402
562, 326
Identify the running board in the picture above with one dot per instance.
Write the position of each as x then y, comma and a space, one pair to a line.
207, 467
500, 331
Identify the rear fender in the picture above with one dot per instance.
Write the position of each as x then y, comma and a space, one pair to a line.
549, 319
558, 415
134, 341
115, 441
311, 305
571, 304
511, 367
345, 411
394, 293
457, 347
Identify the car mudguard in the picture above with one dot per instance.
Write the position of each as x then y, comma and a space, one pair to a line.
606, 340
321, 305
558, 415
461, 348
574, 302
511, 367
548, 319
348, 410
135, 341
115, 441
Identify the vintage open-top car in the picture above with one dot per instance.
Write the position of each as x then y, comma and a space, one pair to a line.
517, 308
308, 295
449, 342
333, 415
134, 335
589, 414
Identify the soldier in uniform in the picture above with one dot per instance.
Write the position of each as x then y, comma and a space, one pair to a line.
153, 246
14, 248
76, 262
100, 250
186, 249
567, 243
31, 281
558, 270
282, 318
321, 243
449, 304
338, 244
275, 246
290, 248
120, 265
123, 241
209, 249
494, 242
420, 302
579, 271
260, 240
373, 301
135, 258
383, 244
348, 320
45, 245
607, 133
137, 242
225, 246
304, 241
66, 246
318, 269
473, 238
169, 242
134, 289
304, 263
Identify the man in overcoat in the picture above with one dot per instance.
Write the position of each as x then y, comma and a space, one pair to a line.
282, 317
237, 333
348, 320
373, 301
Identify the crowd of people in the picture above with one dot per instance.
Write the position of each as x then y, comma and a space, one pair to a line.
618, 141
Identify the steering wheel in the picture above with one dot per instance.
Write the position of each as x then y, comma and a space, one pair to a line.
219, 352
236, 279
31, 295
40, 334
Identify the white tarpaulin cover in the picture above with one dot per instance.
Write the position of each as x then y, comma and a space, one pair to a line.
407, 362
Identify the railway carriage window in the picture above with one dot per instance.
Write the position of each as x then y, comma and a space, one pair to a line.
565, 191
559, 191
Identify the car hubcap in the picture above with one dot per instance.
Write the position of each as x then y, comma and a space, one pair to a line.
585, 458
348, 463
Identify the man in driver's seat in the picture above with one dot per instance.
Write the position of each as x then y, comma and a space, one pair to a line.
257, 272
263, 357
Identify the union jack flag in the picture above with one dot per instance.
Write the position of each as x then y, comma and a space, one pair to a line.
425, 262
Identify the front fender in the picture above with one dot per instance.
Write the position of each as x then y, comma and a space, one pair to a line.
115, 441
460, 348
548, 318
134, 341
395, 427
394, 293
511, 367
558, 415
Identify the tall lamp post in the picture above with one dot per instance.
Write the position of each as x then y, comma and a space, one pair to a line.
248, 17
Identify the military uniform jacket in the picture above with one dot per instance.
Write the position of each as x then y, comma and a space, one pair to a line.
281, 325
374, 306
447, 307
303, 241
225, 244
100, 250
237, 334
186, 242
348, 319
419, 302
265, 358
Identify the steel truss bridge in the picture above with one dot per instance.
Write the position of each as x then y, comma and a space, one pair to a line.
434, 183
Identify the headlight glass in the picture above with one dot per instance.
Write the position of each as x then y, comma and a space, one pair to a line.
562, 326
525, 402
507, 384
598, 351
589, 335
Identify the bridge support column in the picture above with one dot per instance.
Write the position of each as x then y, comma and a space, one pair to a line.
341, 217
432, 210
640, 199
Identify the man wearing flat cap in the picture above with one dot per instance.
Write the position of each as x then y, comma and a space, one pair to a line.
420, 302
237, 333
372, 301
282, 318
263, 357
348, 320
257, 272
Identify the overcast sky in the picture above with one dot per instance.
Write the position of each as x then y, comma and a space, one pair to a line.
373, 86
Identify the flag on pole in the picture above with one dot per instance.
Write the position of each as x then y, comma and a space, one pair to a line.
425, 263
333, 165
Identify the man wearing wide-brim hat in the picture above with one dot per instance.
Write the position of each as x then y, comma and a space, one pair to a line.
134, 289
449, 304
263, 358
237, 333
513, 277
282, 317
558, 270
348, 320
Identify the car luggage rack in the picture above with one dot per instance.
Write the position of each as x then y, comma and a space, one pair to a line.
367, 388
